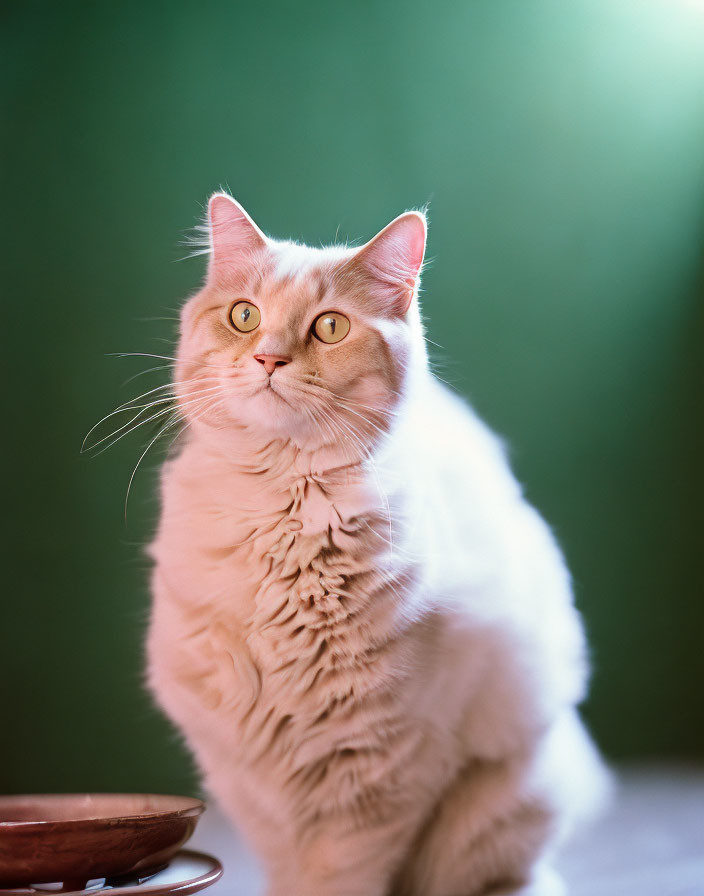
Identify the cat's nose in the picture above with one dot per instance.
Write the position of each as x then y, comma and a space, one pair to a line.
271, 362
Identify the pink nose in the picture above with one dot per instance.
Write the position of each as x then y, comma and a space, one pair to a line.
271, 362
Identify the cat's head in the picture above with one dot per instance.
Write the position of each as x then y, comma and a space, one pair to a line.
313, 345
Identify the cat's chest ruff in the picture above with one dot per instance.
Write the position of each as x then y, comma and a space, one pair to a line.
323, 528
313, 508
315, 559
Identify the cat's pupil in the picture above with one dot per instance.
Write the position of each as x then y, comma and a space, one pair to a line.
332, 322
246, 315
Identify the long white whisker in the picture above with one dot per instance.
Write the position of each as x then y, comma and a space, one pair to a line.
372, 467
317, 380
139, 355
166, 410
131, 406
321, 422
366, 407
168, 425
366, 420
159, 357
170, 385
145, 372
162, 430
197, 416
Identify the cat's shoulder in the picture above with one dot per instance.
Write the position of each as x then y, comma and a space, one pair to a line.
446, 431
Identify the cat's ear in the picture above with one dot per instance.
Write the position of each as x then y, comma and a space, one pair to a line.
394, 259
233, 234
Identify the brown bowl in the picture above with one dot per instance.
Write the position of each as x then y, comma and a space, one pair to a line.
74, 838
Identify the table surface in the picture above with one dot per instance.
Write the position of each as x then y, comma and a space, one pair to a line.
651, 843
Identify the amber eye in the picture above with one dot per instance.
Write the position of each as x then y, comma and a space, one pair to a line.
331, 327
245, 317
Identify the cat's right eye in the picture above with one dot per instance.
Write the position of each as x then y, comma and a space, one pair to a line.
245, 317
331, 327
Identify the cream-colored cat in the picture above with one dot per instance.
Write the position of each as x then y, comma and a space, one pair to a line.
362, 629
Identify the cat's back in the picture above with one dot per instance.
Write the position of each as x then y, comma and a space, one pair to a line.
490, 557
459, 451
456, 471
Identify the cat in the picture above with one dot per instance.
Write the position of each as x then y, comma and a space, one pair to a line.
364, 632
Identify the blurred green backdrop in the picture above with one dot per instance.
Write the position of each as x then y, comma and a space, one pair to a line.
561, 145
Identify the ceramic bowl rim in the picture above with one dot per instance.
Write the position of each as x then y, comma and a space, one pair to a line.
191, 806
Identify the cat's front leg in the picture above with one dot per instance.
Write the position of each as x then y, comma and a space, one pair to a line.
484, 837
344, 857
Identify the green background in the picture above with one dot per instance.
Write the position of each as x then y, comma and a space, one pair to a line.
561, 146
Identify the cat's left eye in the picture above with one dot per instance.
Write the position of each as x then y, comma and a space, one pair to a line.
245, 317
331, 327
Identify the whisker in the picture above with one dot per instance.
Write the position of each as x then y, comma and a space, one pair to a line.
145, 372
366, 420
372, 467
170, 385
159, 357
139, 355
163, 429
131, 405
166, 410
317, 380
195, 417
347, 401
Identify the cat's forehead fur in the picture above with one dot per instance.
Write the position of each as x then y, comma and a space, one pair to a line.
293, 280
294, 260
386, 268
298, 277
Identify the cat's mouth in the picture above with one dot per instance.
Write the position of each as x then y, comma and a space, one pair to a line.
270, 388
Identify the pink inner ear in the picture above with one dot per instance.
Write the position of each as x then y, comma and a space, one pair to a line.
394, 258
232, 231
